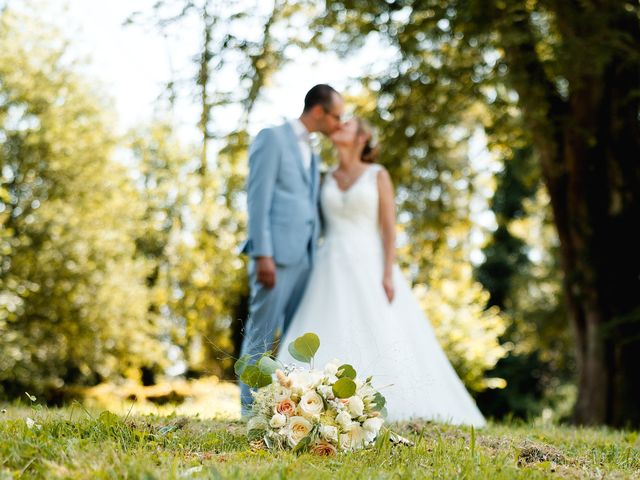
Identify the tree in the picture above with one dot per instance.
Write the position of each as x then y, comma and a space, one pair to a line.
247, 44
528, 59
73, 308
521, 274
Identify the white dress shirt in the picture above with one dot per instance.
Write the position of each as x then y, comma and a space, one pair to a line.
304, 141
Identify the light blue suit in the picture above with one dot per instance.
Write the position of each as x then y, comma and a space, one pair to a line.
282, 197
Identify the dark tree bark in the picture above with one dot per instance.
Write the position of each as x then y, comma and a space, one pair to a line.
589, 147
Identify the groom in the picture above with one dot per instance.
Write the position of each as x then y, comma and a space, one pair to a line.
282, 197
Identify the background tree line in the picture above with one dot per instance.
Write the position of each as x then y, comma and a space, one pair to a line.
122, 265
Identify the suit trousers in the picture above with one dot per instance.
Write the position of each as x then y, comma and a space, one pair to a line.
270, 311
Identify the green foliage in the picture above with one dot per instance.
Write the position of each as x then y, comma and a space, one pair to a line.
73, 301
529, 292
344, 388
190, 239
253, 376
346, 371
304, 347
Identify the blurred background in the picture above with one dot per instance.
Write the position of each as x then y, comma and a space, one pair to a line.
510, 129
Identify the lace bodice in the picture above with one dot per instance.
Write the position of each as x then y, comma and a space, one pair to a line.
353, 212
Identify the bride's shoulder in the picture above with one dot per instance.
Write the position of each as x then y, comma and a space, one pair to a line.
381, 175
378, 170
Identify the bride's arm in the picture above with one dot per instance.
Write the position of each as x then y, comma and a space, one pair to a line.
388, 229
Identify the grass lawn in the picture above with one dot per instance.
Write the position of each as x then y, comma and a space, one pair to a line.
75, 442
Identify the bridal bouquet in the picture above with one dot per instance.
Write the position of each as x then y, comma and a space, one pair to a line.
310, 410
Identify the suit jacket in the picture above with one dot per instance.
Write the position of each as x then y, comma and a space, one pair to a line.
282, 198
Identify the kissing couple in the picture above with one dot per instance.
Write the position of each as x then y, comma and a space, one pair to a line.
322, 260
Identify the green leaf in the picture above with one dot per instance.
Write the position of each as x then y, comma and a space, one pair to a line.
303, 444
305, 347
241, 364
268, 365
379, 401
254, 377
346, 371
344, 388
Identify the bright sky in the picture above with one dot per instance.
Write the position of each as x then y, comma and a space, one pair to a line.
133, 63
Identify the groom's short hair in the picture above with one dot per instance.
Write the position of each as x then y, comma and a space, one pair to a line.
321, 94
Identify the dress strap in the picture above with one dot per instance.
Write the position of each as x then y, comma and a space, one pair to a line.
374, 169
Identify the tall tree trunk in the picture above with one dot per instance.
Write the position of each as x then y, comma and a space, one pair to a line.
203, 81
589, 147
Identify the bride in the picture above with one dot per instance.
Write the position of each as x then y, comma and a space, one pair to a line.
360, 305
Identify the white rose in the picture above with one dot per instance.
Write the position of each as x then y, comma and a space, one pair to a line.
311, 403
354, 439
329, 432
372, 426
326, 391
331, 368
281, 393
278, 420
355, 406
299, 427
257, 423
344, 419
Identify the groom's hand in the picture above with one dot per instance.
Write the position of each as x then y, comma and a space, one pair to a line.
266, 271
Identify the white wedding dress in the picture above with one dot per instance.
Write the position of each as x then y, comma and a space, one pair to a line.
346, 306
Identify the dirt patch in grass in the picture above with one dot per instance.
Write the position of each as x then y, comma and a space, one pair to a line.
533, 452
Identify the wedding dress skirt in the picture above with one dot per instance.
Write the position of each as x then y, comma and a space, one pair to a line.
346, 306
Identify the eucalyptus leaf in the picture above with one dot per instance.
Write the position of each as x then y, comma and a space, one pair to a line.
241, 364
305, 347
346, 371
344, 388
254, 377
268, 365
379, 401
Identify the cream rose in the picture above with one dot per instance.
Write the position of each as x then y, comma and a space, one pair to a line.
311, 404
329, 432
278, 420
344, 419
286, 407
323, 448
299, 427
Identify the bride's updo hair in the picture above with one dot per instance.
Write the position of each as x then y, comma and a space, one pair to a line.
371, 148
